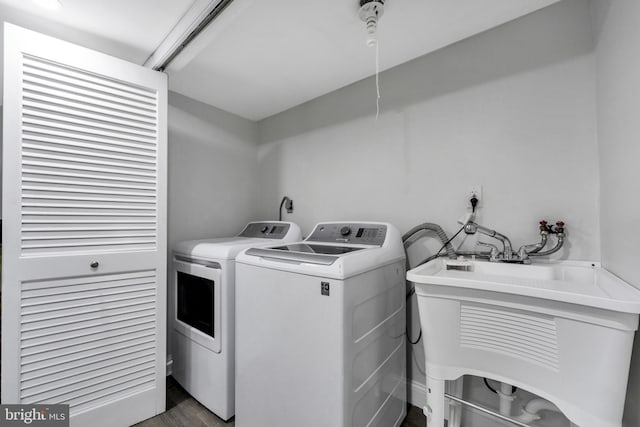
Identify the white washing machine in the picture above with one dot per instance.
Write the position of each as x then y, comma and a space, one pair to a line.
320, 330
203, 290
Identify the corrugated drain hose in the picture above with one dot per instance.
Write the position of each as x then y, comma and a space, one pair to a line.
414, 235
411, 237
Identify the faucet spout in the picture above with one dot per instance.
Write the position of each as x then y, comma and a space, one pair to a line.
507, 251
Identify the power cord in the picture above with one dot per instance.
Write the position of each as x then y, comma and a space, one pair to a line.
412, 291
474, 202
413, 288
486, 382
289, 206
439, 253
417, 339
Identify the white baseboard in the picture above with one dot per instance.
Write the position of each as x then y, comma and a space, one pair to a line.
417, 394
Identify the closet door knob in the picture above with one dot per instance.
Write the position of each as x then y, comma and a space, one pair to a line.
94, 264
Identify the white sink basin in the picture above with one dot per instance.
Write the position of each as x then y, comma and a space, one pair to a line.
583, 283
562, 330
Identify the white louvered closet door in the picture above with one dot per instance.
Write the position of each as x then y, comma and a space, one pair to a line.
84, 242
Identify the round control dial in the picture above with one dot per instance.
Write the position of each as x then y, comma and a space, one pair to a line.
264, 229
345, 231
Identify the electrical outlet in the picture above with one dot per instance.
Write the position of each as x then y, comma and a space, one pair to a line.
474, 190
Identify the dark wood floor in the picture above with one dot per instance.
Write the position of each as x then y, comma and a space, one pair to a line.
415, 418
184, 411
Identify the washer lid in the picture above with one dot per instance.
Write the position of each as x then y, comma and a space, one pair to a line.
339, 250
316, 249
255, 234
222, 248
304, 253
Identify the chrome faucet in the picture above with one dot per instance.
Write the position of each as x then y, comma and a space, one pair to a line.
526, 251
493, 253
506, 254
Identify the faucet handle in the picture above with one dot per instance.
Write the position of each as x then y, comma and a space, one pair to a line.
494, 249
544, 227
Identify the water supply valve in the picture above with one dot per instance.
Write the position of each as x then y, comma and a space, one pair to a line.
559, 227
544, 227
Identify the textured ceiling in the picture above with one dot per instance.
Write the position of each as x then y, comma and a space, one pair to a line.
262, 57
129, 29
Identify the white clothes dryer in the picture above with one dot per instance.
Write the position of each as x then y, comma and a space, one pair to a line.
320, 330
202, 307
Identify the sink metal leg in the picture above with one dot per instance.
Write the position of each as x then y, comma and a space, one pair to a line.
455, 409
434, 411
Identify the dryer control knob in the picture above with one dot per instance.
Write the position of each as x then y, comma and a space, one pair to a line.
264, 229
345, 231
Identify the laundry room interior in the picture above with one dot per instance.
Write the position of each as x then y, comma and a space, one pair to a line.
483, 117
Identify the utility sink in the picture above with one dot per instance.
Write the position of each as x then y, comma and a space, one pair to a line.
563, 330
575, 282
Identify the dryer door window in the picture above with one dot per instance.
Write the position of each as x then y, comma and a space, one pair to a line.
196, 302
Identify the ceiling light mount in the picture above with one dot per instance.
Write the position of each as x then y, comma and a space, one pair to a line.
370, 12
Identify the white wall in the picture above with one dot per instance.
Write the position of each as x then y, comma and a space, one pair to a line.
512, 109
1, 121
212, 170
618, 64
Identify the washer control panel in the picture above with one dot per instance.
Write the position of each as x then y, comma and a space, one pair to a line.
349, 232
267, 230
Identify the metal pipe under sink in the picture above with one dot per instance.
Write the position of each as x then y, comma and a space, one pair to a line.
486, 410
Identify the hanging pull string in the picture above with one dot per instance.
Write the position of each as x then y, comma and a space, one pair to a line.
377, 81
370, 11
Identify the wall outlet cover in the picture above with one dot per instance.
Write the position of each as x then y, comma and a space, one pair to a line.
475, 190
